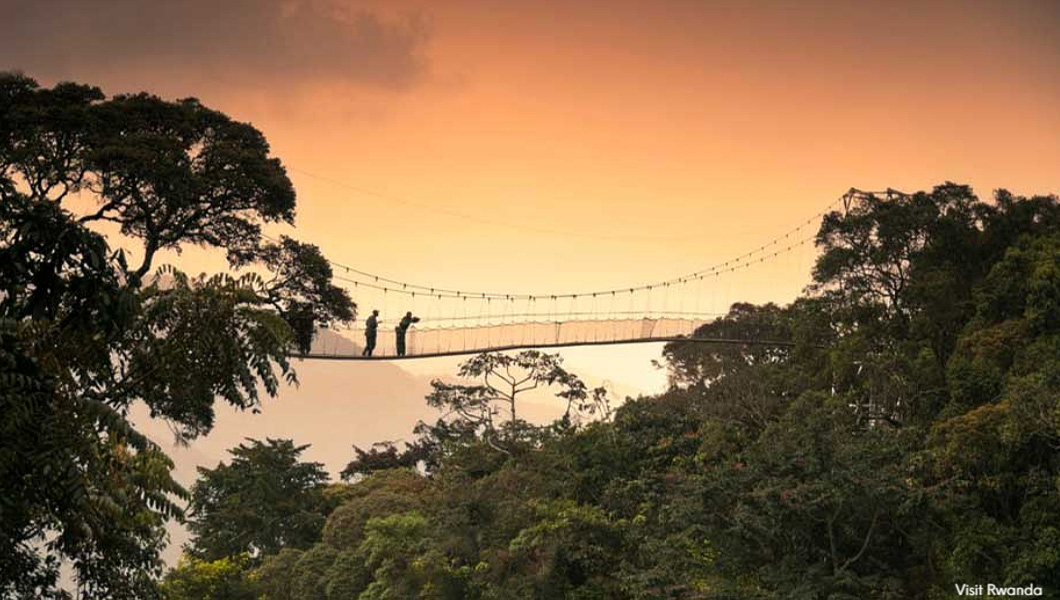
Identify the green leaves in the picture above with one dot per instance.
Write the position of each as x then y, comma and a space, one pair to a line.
178, 173
570, 551
83, 336
488, 412
203, 339
266, 499
301, 289
223, 579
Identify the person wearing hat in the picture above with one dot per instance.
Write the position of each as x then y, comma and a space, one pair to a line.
371, 328
403, 327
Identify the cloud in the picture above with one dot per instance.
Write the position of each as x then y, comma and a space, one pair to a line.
260, 43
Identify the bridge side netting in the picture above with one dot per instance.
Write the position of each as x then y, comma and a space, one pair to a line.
426, 341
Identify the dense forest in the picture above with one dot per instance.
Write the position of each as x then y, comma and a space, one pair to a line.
907, 441
902, 441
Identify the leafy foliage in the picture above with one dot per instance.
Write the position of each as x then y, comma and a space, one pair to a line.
490, 408
222, 579
264, 500
902, 438
84, 334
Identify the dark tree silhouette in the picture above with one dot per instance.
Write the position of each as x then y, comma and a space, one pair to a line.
264, 500
86, 329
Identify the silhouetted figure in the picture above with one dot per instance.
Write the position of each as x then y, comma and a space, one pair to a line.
403, 327
371, 328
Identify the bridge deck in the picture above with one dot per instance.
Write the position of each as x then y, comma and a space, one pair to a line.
528, 346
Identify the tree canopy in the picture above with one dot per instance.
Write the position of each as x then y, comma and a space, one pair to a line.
90, 326
905, 439
264, 500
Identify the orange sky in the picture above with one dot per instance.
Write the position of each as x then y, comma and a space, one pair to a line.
661, 121
626, 119
610, 121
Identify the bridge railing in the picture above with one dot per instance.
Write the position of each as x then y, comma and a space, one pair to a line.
440, 341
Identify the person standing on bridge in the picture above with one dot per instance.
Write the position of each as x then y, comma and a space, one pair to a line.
402, 328
371, 328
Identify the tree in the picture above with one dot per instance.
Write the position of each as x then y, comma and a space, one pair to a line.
816, 502
309, 575
301, 290
397, 550
695, 364
898, 274
571, 552
274, 574
86, 330
222, 579
991, 456
375, 538
384, 456
264, 500
380, 494
491, 407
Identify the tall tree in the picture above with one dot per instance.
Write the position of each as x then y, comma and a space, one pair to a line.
264, 500
491, 406
87, 328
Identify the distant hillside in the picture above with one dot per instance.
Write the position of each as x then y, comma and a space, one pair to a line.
329, 341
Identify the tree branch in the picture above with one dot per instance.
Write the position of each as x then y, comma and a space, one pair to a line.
864, 544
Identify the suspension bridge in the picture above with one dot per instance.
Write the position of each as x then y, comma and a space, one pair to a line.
456, 322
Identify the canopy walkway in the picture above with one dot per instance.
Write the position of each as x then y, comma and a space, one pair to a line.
457, 322
455, 341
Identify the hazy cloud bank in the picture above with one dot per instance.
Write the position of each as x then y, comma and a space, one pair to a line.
257, 43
